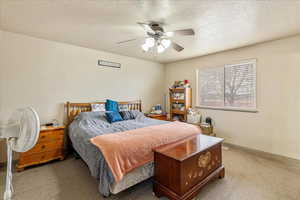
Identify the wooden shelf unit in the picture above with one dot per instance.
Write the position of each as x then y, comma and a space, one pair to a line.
187, 101
178, 100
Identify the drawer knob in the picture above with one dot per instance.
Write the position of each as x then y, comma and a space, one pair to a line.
43, 147
43, 137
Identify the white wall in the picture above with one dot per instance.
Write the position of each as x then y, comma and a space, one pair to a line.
1, 64
46, 74
276, 127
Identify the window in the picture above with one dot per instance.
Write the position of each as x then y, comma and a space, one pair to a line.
228, 87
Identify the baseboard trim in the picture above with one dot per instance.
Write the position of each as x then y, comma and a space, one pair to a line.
294, 163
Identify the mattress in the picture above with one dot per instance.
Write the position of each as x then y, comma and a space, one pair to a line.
136, 176
91, 124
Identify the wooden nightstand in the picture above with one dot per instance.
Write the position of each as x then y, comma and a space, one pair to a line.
158, 116
50, 146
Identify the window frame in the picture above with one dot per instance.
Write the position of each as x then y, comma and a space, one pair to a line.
228, 108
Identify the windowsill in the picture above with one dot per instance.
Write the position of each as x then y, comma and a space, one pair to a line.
229, 109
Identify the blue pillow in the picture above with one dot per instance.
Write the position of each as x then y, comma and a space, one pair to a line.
126, 115
113, 117
111, 105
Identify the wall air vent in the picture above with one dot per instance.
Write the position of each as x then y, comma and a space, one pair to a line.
109, 64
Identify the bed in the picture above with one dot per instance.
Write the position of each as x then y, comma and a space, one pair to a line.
84, 125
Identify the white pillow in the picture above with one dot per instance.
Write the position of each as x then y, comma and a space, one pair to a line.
124, 107
98, 107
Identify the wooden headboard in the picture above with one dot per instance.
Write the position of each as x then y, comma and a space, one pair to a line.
74, 109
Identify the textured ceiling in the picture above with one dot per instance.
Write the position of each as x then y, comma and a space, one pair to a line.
99, 24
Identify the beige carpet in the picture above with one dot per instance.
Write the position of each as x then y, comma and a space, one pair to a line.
248, 176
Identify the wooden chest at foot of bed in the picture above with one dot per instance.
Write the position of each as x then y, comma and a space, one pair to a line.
181, 169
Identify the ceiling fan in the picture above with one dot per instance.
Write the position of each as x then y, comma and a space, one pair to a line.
157, 38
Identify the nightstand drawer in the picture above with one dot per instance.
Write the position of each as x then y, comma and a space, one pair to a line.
48, 136
38, 158
43, 147
158, 116
50, 146
161, 118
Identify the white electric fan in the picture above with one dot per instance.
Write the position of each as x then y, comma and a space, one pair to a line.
21, 134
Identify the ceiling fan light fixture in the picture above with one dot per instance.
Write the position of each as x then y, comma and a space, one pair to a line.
166, 43
169, 34
145, 47
160, 49
157, 40
150, 42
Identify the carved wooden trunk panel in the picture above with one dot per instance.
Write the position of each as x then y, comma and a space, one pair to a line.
182, 170
198, 167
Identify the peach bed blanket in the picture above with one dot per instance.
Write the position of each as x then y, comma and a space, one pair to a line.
125, 151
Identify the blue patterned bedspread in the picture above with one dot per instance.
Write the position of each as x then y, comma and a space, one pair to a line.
91, 124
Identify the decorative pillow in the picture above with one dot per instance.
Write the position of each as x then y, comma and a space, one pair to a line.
126, 115
123, 107
113, 117
97, 118
111, 105
97, 107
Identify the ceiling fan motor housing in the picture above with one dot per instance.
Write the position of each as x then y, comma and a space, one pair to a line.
156, 27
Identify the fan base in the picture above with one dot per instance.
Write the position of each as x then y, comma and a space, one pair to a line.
7, 195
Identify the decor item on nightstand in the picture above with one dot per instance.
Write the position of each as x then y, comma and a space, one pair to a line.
156, 109
207, 129
50, 146
194, 116
180, 101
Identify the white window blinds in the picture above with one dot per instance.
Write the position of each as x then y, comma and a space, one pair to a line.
229, 86
211, 86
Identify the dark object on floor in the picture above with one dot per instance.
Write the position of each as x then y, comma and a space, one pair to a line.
49, 124
182, 169
208, 120
76, 155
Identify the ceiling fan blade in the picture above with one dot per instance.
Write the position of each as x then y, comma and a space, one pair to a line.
146, 27
124, 41
177, 47
184, 32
